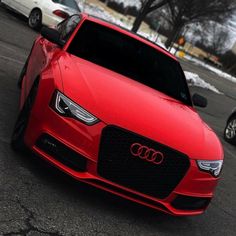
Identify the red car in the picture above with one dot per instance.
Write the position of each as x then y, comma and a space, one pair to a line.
113, 110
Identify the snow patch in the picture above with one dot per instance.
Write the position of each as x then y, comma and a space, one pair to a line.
194, 80
130, 3
153, 37
211, 68
98, 11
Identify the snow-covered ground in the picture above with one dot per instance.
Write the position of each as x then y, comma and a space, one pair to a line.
98, 11
153, 37
194, 80
211, 68
130, 3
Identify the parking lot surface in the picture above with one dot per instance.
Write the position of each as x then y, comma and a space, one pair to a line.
36, 199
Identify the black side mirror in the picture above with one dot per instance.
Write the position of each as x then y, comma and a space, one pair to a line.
52, 35
199, 100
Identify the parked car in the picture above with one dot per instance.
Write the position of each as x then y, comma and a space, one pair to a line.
43, 12
113, 109
230, 128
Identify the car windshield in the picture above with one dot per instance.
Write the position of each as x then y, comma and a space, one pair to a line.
68, 3
131, 58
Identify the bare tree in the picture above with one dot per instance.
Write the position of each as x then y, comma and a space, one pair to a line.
179, 13
183, 12
147, 6
214, 37
228, 59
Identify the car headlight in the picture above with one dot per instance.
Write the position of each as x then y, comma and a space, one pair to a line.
65, 107
213, 167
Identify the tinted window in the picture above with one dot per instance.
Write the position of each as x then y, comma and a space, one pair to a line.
132, 58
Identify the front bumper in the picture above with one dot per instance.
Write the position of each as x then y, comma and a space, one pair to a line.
190, 197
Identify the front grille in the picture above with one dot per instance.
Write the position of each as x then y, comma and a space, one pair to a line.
117, 164
61, 153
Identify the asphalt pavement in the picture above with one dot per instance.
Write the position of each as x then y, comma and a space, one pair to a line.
36, 199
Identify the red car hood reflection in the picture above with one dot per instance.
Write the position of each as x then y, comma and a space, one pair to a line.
120, 101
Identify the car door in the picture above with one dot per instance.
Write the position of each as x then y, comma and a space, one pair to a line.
26, 6
8, 2
22, 6
11, 3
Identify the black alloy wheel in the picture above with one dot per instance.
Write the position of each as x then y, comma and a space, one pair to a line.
230, 130
35, 19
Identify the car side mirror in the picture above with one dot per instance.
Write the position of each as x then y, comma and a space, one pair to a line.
52, 35
199, 100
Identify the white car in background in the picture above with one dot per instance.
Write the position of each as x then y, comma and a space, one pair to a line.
43, 12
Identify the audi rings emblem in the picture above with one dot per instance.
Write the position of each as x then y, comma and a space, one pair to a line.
146, 153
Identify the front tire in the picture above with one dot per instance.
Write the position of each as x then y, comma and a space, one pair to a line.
230, 130
35, 19
22, 75
18, 135
24, 69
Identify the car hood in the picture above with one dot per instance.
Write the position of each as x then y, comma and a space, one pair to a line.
123, 102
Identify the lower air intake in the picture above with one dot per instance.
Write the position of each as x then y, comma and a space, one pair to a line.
61, 153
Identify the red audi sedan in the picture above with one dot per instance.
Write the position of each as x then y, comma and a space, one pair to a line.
113, 110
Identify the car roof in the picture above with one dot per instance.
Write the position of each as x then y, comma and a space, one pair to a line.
128, 33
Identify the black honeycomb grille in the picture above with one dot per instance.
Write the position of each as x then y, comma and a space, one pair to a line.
117, 164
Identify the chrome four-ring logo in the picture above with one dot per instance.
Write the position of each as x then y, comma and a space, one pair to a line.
146, 153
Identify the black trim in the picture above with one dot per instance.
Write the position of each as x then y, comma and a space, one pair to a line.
182, 202
62, 153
